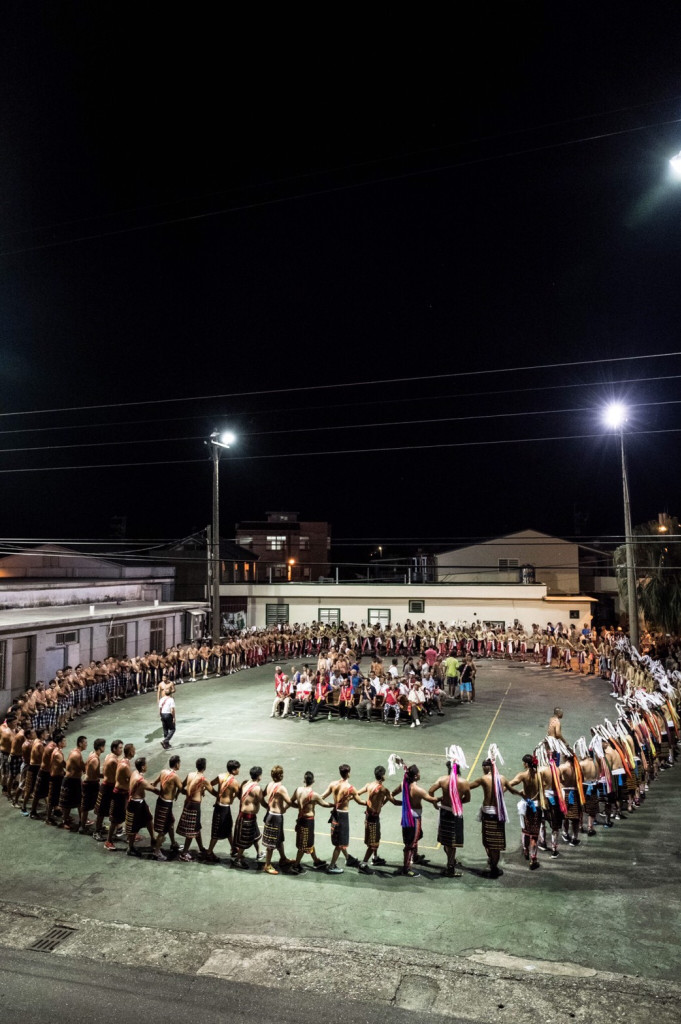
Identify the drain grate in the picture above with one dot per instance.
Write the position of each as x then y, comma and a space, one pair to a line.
53, 938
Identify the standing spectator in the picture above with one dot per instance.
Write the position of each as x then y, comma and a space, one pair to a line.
166, 707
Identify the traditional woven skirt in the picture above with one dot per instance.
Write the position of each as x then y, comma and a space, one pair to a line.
449, 828
573, 806
42, 784
273, 830
246, 831
163, 816
532, 820
189, 824
554, 816
137, 816
340, 828
54, 791
119, 803
305, 835
411, 834
372, 830
31, 776
493, 832
89, 795
104, 797
71, 792
591, 802
221, 825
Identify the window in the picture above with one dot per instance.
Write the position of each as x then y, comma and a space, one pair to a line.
117, 640
276, 543
3, 662
378, 616
304, 543
508, 563
280, 571
67, 638
245, 542
330, 616
417, 607
574, 613
275, 613
157, 635
494, 624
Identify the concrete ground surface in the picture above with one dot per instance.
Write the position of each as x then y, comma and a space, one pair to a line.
606, 909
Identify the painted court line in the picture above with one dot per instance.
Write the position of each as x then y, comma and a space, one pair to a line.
482, 745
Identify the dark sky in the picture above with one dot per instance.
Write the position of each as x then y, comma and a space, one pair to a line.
194, 205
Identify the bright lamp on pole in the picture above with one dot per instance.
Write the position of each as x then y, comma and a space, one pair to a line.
675, 166
218, 439
615, 415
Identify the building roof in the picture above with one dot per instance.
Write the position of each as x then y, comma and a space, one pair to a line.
14, 620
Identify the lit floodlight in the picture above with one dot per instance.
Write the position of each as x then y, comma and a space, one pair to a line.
615, 415
675, 166
224, 439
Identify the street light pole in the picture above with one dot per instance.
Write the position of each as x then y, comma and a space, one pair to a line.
215, 537
616, 416
632, 601
217, 441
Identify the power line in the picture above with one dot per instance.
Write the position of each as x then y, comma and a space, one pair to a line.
335, 426
345, 451
333, 189
346, 405
352, 384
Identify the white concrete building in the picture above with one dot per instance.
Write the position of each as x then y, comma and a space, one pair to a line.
35, 642
502, 604
555, 562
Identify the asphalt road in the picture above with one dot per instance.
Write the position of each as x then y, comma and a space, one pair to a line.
39, 988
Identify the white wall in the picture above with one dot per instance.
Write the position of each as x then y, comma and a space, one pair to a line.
32, 597
556, 561
442, 602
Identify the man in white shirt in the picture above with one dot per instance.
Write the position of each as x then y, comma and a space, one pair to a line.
166, 707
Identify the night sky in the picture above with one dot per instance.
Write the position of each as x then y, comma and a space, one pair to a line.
196, 205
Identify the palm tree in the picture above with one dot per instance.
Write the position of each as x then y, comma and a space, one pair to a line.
657, 558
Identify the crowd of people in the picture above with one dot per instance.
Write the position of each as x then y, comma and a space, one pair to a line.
565, 790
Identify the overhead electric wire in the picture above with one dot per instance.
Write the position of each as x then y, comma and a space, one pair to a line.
345, 451
317, 428
345, 405
335, 189
351, 384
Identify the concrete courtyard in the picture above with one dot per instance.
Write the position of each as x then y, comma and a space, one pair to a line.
609, 906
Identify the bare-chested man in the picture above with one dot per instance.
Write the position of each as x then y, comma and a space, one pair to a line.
119, 798
106, 788
42, 785
412, 833
277, 801
591, 778
573, 816
342, 792
246, 831
378, 795
450, 825
71, 789
57, 768
189, 825
137, 814
226, 786
169, 785
530, 808
90, 784
305, 799
555, 729
37, 748
493, 830
7, 730
15, 760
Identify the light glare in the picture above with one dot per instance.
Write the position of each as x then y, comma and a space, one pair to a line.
227, 437
615, 414
675, 165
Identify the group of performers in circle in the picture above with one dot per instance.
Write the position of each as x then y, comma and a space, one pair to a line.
565, 790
